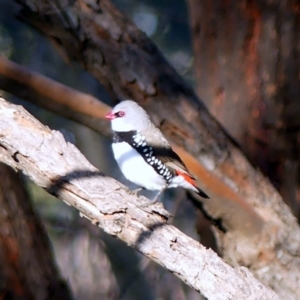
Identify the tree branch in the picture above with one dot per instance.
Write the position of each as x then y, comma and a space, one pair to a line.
57, 166
53, 96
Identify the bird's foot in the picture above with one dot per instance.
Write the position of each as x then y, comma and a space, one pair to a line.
135, 192
149, 203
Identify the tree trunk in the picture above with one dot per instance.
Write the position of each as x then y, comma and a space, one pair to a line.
247, 67
28, 270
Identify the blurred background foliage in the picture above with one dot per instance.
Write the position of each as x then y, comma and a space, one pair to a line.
96, 265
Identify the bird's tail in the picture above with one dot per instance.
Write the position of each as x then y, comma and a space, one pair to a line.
201, 193
190, 180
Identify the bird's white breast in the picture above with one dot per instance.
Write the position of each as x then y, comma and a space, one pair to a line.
135, 168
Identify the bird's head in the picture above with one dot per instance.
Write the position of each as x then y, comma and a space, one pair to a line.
127, 116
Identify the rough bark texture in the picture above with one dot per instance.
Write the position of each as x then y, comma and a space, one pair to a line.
60, 168
261, 231
27, 267
247, 67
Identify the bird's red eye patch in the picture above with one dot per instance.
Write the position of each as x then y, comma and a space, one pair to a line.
120, 114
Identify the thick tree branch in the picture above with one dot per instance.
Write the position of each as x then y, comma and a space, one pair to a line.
60, 168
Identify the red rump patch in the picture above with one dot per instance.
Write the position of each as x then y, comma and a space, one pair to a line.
187, 177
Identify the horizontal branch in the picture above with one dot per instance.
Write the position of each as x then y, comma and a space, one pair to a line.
53, 96
58, 166
52, 89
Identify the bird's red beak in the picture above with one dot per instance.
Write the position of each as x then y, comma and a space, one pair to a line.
110, 116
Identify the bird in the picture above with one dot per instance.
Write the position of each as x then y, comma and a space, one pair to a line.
144, 155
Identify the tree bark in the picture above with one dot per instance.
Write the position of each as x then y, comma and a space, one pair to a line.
60, 168
24, 247
261, 231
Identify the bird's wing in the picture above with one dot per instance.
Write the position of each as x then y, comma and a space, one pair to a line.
155, 138
163, 151
176, 165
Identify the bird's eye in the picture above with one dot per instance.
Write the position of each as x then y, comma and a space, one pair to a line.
120, 114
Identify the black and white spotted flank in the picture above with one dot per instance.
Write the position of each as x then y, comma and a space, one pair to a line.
138, 142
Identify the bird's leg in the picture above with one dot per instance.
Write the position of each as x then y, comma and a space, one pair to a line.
135, 192
153, 201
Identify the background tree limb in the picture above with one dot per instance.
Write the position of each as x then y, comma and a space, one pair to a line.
53, 96
27, 252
